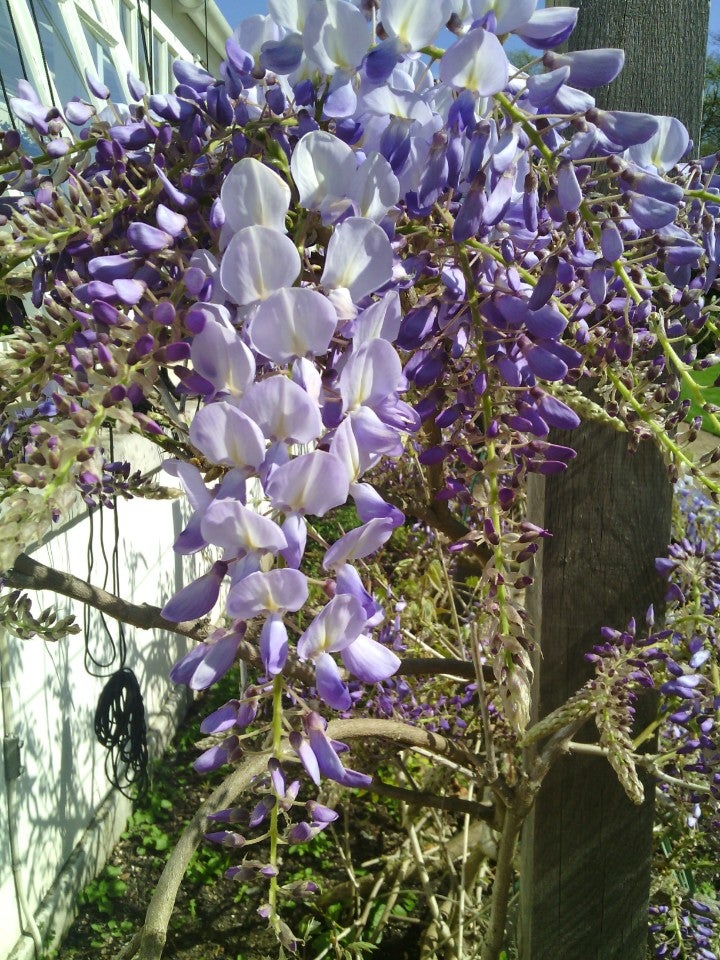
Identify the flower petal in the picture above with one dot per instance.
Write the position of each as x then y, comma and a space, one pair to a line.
257, 262
359, 258
294, 322
369, 660
273, 645
330, 686
253, 194
267, 592
477, 62
197, 598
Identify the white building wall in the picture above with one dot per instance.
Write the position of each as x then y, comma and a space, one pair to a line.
105, 35
54, 700
63, 789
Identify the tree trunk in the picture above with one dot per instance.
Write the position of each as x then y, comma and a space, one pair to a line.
586, 850
665, 45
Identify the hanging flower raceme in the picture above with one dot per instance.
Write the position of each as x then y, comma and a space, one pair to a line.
360, 278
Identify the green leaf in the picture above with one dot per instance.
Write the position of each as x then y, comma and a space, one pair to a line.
704, 379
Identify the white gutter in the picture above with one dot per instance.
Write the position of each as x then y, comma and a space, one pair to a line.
218, 29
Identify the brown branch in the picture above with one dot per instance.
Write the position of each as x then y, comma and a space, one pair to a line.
29, 574
419, 798
157, 919
151, 943
437, 515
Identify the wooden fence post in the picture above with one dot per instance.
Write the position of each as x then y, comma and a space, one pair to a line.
586, 850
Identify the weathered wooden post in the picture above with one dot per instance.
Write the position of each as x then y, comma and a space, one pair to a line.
586, 850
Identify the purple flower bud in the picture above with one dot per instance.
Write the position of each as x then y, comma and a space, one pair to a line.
198, 597
96, 86
221, 719
169, 221
217, 214
318, 812
568, 190
226, 838
111, 267
587, 68
226, 752
147, 239
136, 87
164, 313
77, 112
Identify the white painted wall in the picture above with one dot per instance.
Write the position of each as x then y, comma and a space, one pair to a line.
54, 701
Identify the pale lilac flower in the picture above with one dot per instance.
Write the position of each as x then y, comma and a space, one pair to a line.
293, 322
273, 593
254, 195
257, 262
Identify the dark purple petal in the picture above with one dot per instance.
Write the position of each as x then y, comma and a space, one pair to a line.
546, 323
148, 239
588, 68
558, 414
113, 266
197, 598
273, 645
545, 364
192, 75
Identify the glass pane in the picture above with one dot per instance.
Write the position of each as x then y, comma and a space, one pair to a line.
128, 29
157, 63
12, 71
9, 56
143, 48
104, 66
59, 55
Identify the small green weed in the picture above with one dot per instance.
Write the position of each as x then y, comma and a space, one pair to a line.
104, 890
208, 865
111, 930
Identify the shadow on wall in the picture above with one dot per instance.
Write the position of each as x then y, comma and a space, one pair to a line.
55, 694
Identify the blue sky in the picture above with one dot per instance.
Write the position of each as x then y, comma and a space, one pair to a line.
236, 10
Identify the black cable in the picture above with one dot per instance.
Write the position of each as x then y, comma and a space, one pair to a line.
42, 51
120, 723
148, 61
17, 39
207, 42
7, 101
95, 666
120, 728
152, 46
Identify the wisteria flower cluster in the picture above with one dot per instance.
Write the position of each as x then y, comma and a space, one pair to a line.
357, 268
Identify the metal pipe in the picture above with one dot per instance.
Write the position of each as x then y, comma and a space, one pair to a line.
10, 790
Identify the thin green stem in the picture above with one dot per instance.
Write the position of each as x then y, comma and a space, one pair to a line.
277, 731
659, 433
